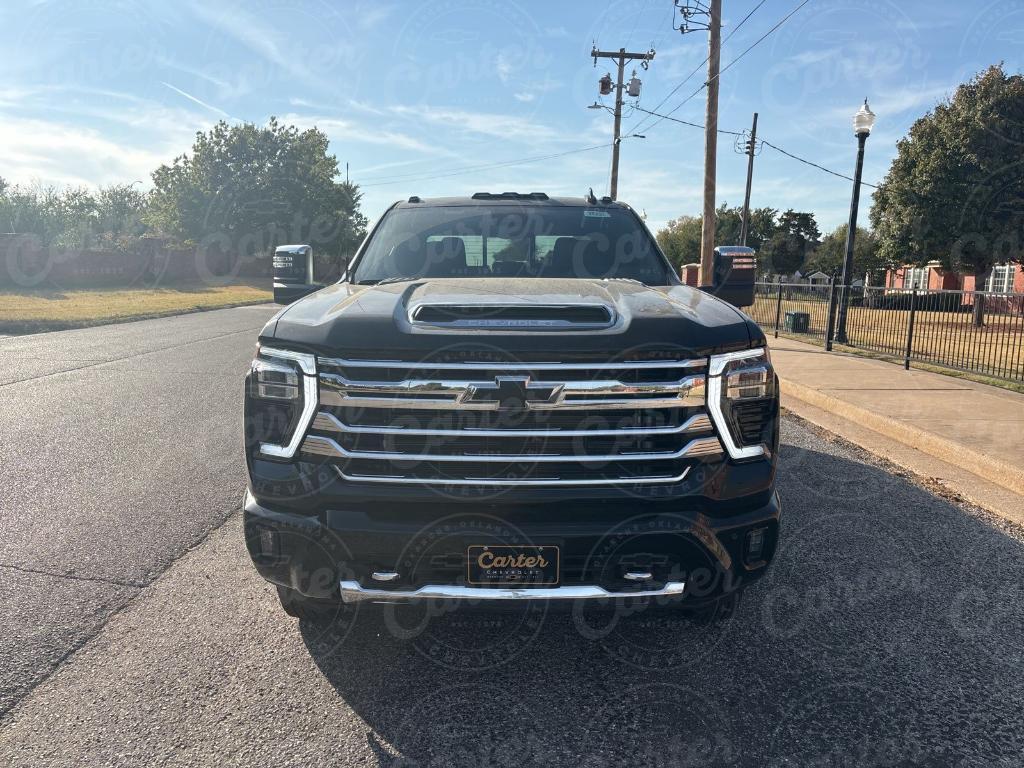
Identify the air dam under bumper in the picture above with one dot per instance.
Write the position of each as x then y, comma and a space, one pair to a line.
334, 554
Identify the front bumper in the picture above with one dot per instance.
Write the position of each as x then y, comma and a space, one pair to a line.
340, 553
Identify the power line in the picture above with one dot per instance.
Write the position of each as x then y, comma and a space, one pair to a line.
685, 122
408, 178
763, 142
762, 37
757, 42
814, 165
700, 66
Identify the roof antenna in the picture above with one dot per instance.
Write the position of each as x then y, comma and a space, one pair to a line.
590, 197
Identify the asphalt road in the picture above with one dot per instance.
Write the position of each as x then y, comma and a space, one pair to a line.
889, 632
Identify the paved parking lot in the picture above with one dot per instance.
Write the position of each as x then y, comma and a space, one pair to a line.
889, 632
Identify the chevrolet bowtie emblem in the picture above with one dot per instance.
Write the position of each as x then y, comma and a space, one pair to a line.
513, 392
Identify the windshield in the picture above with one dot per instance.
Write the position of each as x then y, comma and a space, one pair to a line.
512, 241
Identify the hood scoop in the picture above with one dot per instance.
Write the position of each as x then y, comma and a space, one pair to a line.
573, 317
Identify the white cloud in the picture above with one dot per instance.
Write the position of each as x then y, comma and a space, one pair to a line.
504, 67
63, 154
223, 85
339, 129
503, 126
524, 97
255, 35
370, 15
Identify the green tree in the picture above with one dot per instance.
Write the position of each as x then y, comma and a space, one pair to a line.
955, 191
246, 188
831, 254
793, 243
801, 224
680, 240
74, 217
120, 209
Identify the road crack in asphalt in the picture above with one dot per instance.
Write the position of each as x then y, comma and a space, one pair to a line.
129, 357
75, 576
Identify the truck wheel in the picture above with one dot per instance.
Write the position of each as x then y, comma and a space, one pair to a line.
307, 608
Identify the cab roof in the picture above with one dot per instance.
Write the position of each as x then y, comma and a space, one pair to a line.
509, 198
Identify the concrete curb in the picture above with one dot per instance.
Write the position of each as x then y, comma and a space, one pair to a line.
994, 470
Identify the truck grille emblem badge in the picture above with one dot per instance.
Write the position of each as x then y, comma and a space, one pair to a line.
513, 393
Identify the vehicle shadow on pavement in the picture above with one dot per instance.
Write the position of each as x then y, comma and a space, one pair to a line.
890, 630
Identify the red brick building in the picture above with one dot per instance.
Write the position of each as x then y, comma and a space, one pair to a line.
1004, 278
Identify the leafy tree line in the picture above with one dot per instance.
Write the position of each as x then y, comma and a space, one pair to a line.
110, 217
242, 190
785, 242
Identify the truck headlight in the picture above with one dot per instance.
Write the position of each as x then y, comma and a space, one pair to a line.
743, 401
281, 400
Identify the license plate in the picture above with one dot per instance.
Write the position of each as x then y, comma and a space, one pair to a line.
512, 565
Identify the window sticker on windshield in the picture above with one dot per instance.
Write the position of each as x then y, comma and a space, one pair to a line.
596, 214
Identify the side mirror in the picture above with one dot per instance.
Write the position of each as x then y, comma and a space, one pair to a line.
733, 275
293, 273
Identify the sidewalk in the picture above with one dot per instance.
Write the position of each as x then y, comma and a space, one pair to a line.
970, 426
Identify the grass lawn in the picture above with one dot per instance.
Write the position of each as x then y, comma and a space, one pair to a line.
32, 311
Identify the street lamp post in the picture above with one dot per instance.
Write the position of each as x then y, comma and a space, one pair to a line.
863, 122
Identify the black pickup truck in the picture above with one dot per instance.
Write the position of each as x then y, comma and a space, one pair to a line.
511, 397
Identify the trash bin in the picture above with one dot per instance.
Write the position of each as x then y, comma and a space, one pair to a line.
797, 322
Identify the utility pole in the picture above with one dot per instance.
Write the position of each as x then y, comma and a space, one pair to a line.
707, 239
751, 146
620, 57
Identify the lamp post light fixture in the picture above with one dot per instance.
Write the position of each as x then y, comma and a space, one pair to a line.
863, 122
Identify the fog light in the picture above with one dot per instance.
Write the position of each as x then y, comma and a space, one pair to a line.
270, 542
755, 545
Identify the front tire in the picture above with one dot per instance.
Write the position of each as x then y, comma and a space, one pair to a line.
309, 609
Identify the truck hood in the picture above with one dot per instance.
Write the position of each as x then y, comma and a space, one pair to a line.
346, 318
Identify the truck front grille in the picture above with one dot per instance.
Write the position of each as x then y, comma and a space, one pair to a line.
484, 422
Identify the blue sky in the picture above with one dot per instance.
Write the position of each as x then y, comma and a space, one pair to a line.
96, 92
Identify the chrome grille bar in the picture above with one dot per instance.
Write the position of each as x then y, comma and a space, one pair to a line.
438, 394
326, 446
328, 422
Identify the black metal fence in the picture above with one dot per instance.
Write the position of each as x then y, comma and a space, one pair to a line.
972, 331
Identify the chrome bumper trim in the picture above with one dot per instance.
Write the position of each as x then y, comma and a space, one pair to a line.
506, 483
353, 592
